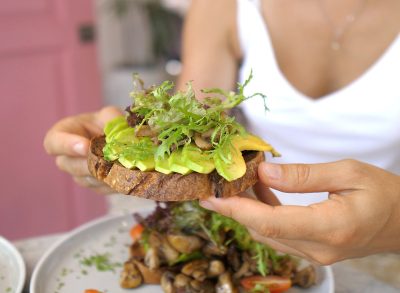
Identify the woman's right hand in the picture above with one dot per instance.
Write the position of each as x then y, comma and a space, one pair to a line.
68, 141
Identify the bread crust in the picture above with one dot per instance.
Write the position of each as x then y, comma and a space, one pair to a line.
172, 187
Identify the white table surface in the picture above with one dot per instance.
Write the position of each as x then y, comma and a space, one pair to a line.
347, 278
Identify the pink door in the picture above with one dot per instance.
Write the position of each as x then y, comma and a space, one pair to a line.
48, 70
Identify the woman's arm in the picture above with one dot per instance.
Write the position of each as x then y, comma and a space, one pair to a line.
210, 52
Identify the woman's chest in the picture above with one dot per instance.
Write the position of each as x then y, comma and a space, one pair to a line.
303, 38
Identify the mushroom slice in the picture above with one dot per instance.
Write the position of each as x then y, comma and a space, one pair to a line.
167, 282
181, 281
149, 276
166, 251
151, 260
184, 243
208, 133
212, 249
199, 275
225, 284
195, 265
215, 268
145, 130
305, 278
243, 270
196, 286
136, 250
130, 276
201, 142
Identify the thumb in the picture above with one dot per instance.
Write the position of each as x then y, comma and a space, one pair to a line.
304, 178
106, 114
284, 222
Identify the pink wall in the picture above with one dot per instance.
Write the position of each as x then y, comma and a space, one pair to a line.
45, 74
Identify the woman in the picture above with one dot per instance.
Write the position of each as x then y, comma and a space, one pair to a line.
330, 69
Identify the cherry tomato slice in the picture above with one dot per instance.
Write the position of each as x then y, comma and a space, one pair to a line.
275, 284
136, 232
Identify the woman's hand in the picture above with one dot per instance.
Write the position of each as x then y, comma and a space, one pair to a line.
361, 216
68, 140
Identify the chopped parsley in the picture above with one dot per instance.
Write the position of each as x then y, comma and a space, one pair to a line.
101, 262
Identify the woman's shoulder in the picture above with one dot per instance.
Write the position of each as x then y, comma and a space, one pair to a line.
215, 20
213, 13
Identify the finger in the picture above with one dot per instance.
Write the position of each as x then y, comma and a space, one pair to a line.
286, 222
93, 184
265, 195
247, 195
75, 166
70, 136
63, 143
329, 177
317, 253
88, 181
106, 114
104, 189
276, 244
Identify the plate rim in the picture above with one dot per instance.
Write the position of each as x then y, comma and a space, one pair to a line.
38, 267
20, 263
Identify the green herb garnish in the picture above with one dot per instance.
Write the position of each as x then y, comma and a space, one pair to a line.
102, 262
186, 257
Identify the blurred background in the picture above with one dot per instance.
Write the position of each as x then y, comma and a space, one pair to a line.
63, 57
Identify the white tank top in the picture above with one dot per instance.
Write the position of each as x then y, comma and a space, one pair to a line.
360, 121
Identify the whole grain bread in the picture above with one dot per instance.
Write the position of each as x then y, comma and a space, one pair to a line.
173, 187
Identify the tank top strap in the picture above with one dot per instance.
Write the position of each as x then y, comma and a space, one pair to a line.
254, 41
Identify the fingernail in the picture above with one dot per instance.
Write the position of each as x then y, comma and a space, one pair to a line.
207, 205
80, 148
272, 171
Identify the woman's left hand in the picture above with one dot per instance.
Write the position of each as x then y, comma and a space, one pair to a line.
361, 216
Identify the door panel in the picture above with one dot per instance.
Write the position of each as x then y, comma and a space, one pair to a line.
45, 74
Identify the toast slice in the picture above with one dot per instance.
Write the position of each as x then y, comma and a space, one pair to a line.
172, 187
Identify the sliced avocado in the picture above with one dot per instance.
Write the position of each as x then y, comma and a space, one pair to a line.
177, 164
110, 125
115, 126
127, 161
138, 154
116, 130
126, 136
229, 162
250, 142
146, 164
196, 160
162, 165
110, 152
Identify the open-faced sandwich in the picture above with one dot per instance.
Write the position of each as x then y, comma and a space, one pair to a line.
173, 147
187, 249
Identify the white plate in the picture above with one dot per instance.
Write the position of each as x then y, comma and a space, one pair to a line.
12, 268
60, 269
